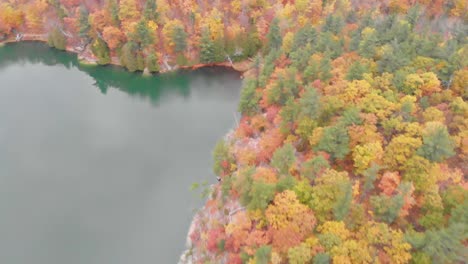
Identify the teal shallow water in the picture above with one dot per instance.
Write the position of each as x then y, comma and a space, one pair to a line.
96, 163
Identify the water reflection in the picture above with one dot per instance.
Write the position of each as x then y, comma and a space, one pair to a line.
152, 88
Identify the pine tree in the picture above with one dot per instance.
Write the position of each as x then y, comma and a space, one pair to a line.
57, 39
325, 69
250, 43
149, 10
274, 36
207, 51
152, 62
218, 49
128, 56
142, 34
179, 36
283, 159
343, 203
446, 245
140, 61
335, 140
83, 22
310, 102
248, 103
113, 8
356, 71
437, 144
101, 51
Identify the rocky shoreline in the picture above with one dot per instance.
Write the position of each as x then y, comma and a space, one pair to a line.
86, 57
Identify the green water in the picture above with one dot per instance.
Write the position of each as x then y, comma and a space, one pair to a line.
96, 163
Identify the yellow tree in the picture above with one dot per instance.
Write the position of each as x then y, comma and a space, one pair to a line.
10, 17
34, 14
290, 222
128, 10
351, 251
214, 21
364, 155
385, 242
460, 79
400, 149
327, 192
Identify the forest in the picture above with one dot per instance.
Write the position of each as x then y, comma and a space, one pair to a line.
353, 141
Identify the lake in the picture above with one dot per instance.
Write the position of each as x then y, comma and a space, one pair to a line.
96, 163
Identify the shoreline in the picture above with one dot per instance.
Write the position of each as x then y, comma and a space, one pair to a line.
242, 67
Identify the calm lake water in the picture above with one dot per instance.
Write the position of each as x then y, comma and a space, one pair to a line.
96, 163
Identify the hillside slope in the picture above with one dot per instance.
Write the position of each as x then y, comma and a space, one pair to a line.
353, 142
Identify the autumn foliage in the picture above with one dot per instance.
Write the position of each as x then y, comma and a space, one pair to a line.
353, 142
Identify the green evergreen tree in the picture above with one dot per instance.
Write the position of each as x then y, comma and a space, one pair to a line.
83, 23
335, 141
221, 154
218, 49
370, 175
285, 183
152, 62
248, 103
140, 61
351, 117
310, 102
446, 245
142, 34
268, 67
262, 255
304, 36
322, 258
413, 15
334, 24
101, 51
113, 7
312, 168
128, 56
367, 46
283, 159
250, 43
393, 59
356, 71
179, 36
274, 36
386, 208
330, 44
343, 202
289, 114
437, 145
325, 69
150, 10
261, 195
312, 71
300, 59
207, 50
57, 39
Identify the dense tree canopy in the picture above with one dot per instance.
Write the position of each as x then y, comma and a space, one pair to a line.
353, 143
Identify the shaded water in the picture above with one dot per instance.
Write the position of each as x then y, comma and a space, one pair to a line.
96, 163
